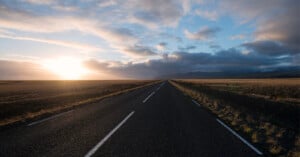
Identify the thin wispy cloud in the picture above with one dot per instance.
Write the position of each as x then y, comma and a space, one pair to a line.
139, 50
85, 48
204, 33
238, 37
210, 15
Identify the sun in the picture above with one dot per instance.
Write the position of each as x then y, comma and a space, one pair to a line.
66, 68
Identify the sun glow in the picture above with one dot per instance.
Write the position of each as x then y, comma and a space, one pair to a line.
66, 68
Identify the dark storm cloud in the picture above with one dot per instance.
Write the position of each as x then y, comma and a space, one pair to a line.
271, 48
227, 57
183, 62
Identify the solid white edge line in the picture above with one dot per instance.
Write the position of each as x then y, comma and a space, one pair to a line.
241, 138
49, 118
96, 147
196, 103
148, 97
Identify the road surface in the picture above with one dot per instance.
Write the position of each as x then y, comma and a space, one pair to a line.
157, 120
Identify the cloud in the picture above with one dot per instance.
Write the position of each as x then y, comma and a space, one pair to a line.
161, 46
173, 63
139, 50
65, 8
186, 5
29, 70
296, 60
187, 48
155, 13
245, 11
275, 20
170, 37
214, 46
183, 62
283, 27
225, 58
27, 21
118, 38
107, 3
204, 33
24, 71
210, 15
84, 47
270, 48
238, 37
38, 2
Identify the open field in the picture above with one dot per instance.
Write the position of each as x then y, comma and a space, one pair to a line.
266, 111
275, 89
21, 100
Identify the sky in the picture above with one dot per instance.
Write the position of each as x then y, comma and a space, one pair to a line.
145, 39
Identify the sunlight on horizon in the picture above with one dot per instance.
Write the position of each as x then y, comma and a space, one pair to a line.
66, 68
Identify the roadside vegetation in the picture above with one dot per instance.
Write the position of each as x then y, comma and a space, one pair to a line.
23, 100
265, 111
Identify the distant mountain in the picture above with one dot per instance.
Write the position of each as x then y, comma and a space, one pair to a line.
283, 72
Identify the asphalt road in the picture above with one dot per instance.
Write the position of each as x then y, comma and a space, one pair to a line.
157, 120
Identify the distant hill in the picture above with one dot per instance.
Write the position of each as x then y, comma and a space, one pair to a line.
286, 72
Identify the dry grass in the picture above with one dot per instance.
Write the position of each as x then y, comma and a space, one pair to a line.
272, 124
22, 100
286, 90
